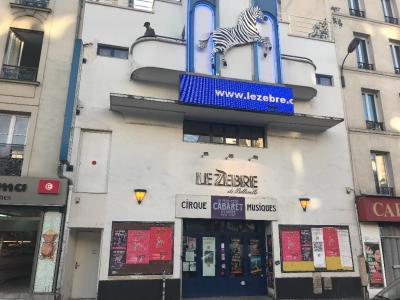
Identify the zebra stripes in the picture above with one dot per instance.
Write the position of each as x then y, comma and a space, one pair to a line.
245, 32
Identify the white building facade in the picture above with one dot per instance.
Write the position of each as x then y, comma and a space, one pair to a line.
222, 154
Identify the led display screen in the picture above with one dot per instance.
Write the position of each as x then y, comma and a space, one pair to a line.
231, 94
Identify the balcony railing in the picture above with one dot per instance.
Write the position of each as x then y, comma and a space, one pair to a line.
365, 66
33, 3
11, 159
18, 73
385, 190
392, 20
357, 13
373, 125
397, 70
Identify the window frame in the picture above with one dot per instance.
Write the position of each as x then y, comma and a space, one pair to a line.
11, 128
387, 170
101, 46
324, 76
395, 55
373, 113
364, 52
356, 8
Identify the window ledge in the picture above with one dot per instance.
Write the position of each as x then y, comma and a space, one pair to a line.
35, 83
366, 19
16, 5
374, 72
377, 132
122, 7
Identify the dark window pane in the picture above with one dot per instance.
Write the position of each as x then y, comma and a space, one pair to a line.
104, 51
121, 53
324, 80
217, 133
231, 135
112, 51
197, 132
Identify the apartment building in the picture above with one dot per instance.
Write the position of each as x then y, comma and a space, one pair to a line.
371, 86
37, 40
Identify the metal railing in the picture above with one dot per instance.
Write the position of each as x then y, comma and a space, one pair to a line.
391, 20
385, 190
365, 66
18, 73
33, 3
373, 125
357, 13
11, 159
397, 70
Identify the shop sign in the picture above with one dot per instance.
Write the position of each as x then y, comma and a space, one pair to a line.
225, 208
232, 94
378, 209
236, 183
32, 191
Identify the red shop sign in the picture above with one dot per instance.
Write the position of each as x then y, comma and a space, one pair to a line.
378, 209
49, 186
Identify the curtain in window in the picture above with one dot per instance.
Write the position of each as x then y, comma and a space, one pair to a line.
387, 8
370, 107
362, 52
14, 50
395, 49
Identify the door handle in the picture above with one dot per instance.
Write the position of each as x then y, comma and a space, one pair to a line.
396, 266
77, 265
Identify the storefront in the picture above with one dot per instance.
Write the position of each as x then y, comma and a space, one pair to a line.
379, 221
31, 217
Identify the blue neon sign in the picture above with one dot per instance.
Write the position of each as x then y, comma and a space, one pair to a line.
231, 94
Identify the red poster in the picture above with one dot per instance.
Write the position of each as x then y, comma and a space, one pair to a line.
160, 243
138, 247
331, 242
291, 249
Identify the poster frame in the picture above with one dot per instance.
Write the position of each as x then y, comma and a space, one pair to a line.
307, 226
143, 224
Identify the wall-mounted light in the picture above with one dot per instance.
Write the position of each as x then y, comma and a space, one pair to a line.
304, 203
140, 194
204, 154
230, 156
254, 157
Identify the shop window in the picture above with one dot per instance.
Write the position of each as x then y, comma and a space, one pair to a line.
204, 132
22, 55
372, 110
364, 53
112, 51
395, 50
355, 8
389, 12
202, 22
382, 173
326, 80
13, 130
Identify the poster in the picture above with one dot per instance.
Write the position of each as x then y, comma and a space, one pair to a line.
331, 241
255, 256
318, 247
208, 257
345, 249
161, 243
306, 245
118, 258
291, 245
236, 248
138, 247
119, 239
185, 266
191, 243
374, 264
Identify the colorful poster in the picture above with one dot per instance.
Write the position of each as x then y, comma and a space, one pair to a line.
291, 249
345, 249
331, 241
255, 256
191, 243
318, 247
208, 257
228, 208
161, 243
118, 258
306, 245
138, 247
236, 248
119, 239
374, 263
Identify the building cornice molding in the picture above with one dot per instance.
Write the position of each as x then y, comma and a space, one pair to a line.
375, 132
372, 72
365, 19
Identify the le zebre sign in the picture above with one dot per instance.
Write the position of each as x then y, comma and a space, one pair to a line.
378, 209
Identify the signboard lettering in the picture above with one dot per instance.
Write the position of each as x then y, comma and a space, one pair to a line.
378, 209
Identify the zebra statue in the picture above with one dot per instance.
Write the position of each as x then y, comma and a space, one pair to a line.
245, 32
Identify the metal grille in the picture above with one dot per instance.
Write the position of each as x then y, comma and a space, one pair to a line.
11, 159
391, 251
18, 73
357, 13
391, 20
365, 66
33, 3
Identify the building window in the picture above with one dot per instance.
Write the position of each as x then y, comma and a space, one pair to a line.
22, 55
355, 9
395, 50
13, 130
324, 80
382, 173
364, 57
204, 132
141, 4
372, 110
388, 11
112, 51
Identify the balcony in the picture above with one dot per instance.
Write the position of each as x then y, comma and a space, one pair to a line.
11, 159
158, 59
373, 125
385, 190
392, 20
299, 74
357, 13
18, 73
41, 5
365, 66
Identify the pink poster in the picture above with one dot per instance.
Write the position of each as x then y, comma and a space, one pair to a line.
161, 243
331, 241
138, 247
291, 249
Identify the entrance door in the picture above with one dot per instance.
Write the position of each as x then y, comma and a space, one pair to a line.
391, 251
223, 258
86, 266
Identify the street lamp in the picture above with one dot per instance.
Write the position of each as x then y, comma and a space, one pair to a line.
352, 46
